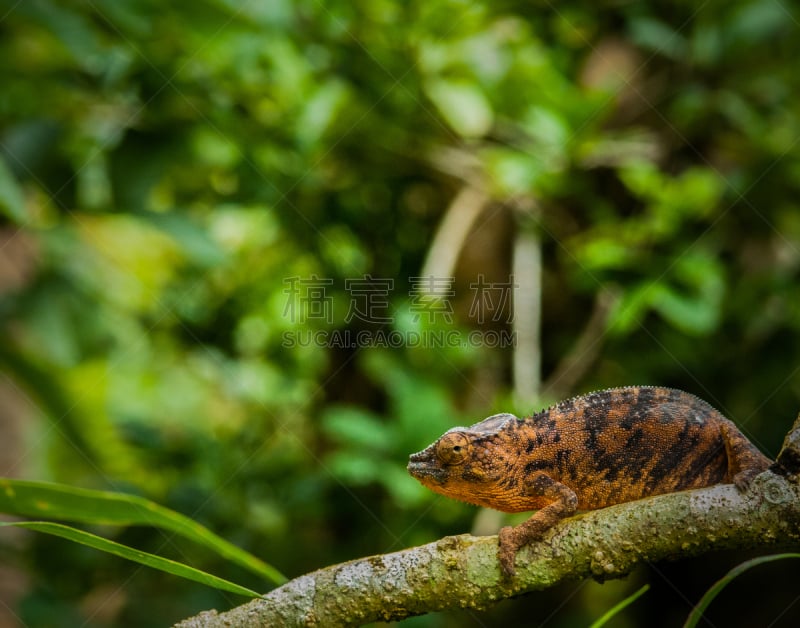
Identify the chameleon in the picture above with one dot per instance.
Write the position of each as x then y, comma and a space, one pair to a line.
585, 453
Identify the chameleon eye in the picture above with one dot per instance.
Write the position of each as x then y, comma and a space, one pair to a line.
453, 448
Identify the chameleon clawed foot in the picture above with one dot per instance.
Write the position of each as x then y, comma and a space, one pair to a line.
511, 539
507, 551
744, 479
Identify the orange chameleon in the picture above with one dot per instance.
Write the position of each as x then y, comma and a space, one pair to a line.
589, 452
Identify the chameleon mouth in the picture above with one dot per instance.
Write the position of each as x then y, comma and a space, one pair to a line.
421, 467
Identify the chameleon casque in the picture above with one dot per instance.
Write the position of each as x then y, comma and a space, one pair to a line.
589, 452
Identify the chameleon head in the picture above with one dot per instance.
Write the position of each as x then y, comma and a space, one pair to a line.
466, 463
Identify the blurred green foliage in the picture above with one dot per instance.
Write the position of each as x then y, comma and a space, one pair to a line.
165, 168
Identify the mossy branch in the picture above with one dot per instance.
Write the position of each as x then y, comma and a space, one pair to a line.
463, 571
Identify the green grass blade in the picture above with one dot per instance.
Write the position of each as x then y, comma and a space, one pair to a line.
702, 605
619, 607
137, 556
57, 501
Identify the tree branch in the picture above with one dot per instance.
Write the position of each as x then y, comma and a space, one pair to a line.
452, 232
463, 572
527, 357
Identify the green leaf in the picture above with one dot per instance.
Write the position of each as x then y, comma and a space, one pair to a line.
12, 201
693, 302
693, 314
195, 241
74, 30
215, 149
702, 605
137, 556
610, 613
629, 310
320, 111
358, 428
56, 501
659, 37
463, 105
512, 171
758, 21
352, 468
550, 130
601, 253
690, 299
643, 179
697, 191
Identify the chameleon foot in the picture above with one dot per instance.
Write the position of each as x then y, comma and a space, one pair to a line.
507, 551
